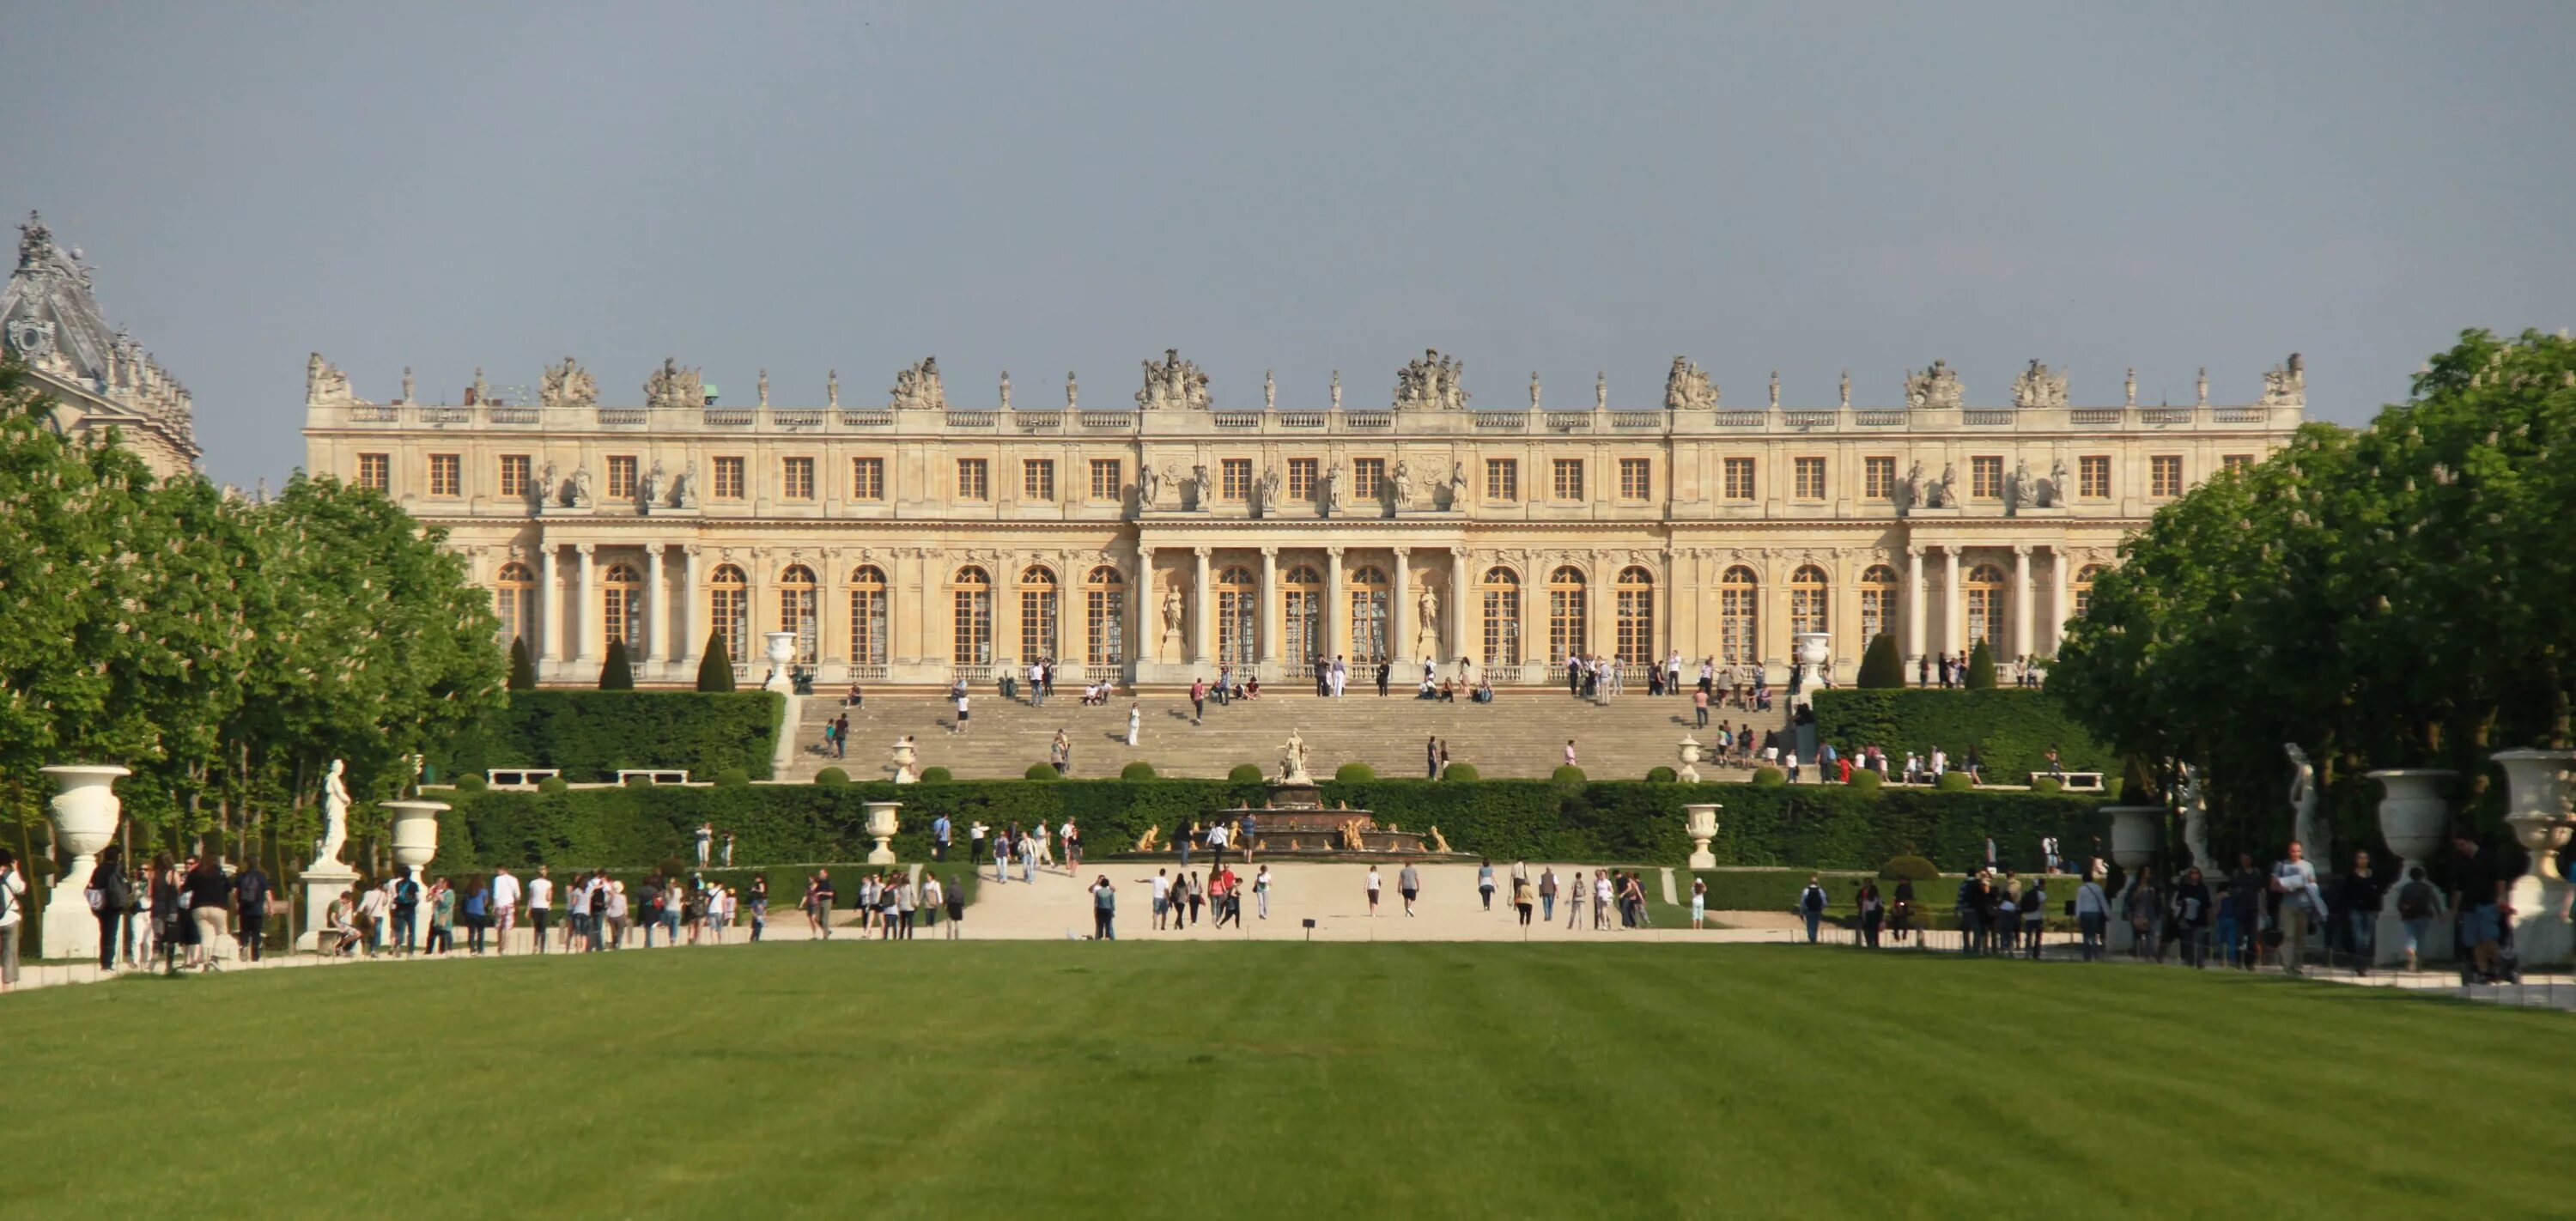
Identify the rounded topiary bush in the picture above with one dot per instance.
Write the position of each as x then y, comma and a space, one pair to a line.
1954, 782
831, 776
1355, 773
471, 782
1139, 770
1769, 777
1866, 780
2046, 786
1908, 866
936, 775
732, 777
1245, 773
1460, 771
1039, 771
1661, 775
1568, 774
553, 784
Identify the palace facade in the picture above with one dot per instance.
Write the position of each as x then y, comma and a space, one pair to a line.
913, 539
98, 377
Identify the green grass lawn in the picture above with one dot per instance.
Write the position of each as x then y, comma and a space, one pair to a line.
1274, 1080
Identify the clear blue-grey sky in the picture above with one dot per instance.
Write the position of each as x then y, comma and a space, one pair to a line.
1041, 187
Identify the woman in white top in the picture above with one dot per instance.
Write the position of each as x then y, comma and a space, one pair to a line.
1600, 899
1261, 891
1374, 885
961, 711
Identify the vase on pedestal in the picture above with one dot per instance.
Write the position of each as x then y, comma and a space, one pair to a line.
1700, 820
84, 815
782, 650
2133, 847
1810, 650
2412, 817
881, 826
2536, 809
414, 839
1690, 761
907, 761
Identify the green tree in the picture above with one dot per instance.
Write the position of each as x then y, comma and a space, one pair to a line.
1981, 668
523, 665
616, 673
1881, 666
715, 668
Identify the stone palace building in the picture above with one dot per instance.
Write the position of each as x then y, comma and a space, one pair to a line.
911, 539
98, 376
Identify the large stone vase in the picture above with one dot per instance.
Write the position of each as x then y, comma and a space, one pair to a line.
84, 815
1810, 649
782, 650
881, 824
2133, 847
1701, 822
415, 844
907, 761
2536, 808
1690, 751
2412, 817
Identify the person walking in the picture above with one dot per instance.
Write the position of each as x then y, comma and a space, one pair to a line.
1602, 893
2295, 880
1162, 896
1811, 906
111, 897
1431, 758
541, 902
1408, 882
706, 840
1374, 886
2092, 918
2417, 903
2478, 896
1261, 891
477, 910
955, 897
505, 904
1072, 837
251, 894
2357, 896
2034, 915
13, 901
1523, 900
209, 899
1216, 837
1060, 752
1484, 887
1547, 894
1385, 669
819, 903
2191, 914
1198, 701
963, 713
1699, 902
442, 917
1197, 895
1576, 888
1002, 854
758, 900
1104, 910
1569, 752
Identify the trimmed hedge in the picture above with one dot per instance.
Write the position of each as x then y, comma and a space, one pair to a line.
1769, 777
1567, 774
831, 775
1461, 771
592, 734
1955, 782
1881, 667
1865, 780
2012, 728
1244, 773
1138, 770
1355, 773
1811, 826
1041, 771
1981, 668
1660, 774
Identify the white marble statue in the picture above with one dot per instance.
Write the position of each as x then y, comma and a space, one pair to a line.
1172, 615
1270, 489
1337, 390
2195, 820
832, 389
581, 487
654, 484
2020, 491
1601, 390
1292, 760
1333, 488
1937, 386
1149, 487
1533, 389
1269, 391
2057, 489
1072, 391
1846, 387
1006, 390
1426, 625
1403, 483
2303, 804
335, 819
684, 487
764, 387
1687, 387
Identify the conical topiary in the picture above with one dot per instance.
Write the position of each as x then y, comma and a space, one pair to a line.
1981, 668
715, 668
1881, 666
523, 665
617, 673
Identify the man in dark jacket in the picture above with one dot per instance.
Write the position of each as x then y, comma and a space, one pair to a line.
251, 893
2357, 902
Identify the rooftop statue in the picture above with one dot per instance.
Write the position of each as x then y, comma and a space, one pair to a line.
2286, 384
325, 385
672, 387
569, 385
1172, 384
1431, 383
1937, 386
1687, 388
917, 387
2038, 387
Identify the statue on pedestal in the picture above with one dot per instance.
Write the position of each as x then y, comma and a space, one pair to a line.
335, 820
1426, 625
2195, 819
1292, 760
1171, 619
1403, 484
1149, 486
581, 487
2303, 804
654, 483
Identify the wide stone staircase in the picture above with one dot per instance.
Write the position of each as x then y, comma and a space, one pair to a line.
1520, 734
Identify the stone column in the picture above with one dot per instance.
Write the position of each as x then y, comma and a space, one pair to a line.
1270, 650
1203, 610
1399, 613
1462, 589
2058, 607
689, 641
1914, 594
585, 634
1954, 603
1335, 632
549, 605
2022, 617
657, 588
1147, 619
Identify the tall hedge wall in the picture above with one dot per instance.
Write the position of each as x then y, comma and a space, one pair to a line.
591, 734
2011, 729
1808, 826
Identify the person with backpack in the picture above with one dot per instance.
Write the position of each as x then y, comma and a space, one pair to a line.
2034, 916
111, 899
1811, 906
210, 900
2092, 917
406, 909
2417, 903
250, 896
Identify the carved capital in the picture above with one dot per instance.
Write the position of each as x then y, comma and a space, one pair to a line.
1270, 553
1203, 552
2021, 551
1402, 553
1914, 551
1334, 552
1457, 553
586, 550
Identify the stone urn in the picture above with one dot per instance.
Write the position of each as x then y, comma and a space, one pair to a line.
2413, 816
84, 815
782, 650
1700, 820
2536, 808
907, 761
2133, 847
1690, 760
1810, 649
415, 839
881, 826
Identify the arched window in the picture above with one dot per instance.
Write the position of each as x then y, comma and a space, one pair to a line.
868, 616
1369, 627
729, 611
514, 599
1238, 619
1502, 617
1636, 616
1104, 599
1568, 631
799, 605
1877, 603
1807, 600
972, 644
618, 606
1985, 586
1038, 609
1739, 617
2082, 590
1301, 601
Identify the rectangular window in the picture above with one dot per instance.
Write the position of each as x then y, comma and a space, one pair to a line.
1503, 479
1877, 478
621, 478
1236, 478
1368, 478
1808, 477
1636, 479
1301, 477
970, 479
1567, 483
376, 472
2164, 475
2093, 477
1986, 478
1107, 478
867, 478
514, 474
2236, 462
446, 475
1037, 479
796, 478
728, 485
1739, 478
